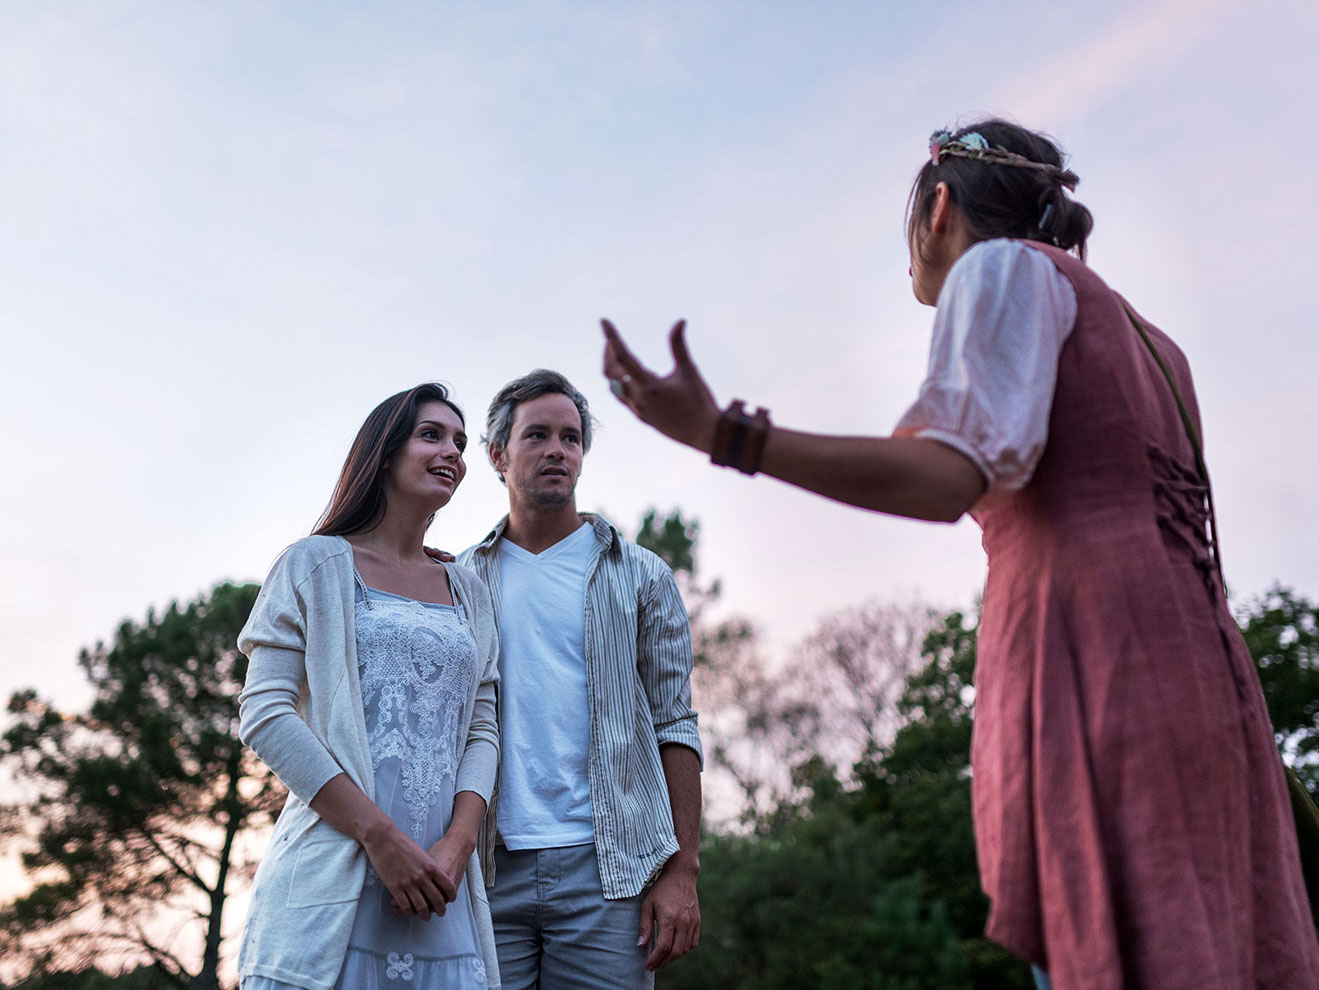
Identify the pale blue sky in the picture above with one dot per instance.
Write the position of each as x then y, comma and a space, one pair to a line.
233, 228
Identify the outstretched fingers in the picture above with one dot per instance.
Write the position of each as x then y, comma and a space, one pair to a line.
679, 404
620, 361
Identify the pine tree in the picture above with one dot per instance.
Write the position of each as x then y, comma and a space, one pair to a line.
136, 806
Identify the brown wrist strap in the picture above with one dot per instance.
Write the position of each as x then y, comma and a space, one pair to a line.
753, 448
739, 439
729, 433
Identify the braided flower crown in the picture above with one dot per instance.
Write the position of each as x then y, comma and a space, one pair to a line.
973, 145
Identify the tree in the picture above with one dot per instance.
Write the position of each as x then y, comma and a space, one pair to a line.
1281, 629
865, 875
673, 538
807, 901
842, 686
869, 879
919, 792
143, 978
729, 678
137, 804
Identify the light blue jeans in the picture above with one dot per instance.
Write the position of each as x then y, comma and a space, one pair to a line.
1042, 981
554, 930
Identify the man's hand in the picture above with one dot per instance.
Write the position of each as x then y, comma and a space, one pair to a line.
443, 556
671, 912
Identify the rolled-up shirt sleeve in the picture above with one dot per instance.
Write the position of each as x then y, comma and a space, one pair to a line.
275, 642
1003, 315
664, 658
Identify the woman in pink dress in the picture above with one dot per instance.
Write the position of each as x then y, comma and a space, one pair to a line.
1132, 820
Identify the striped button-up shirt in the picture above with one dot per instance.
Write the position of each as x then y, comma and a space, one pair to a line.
638, 684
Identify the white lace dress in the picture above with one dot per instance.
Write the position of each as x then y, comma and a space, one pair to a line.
416, 662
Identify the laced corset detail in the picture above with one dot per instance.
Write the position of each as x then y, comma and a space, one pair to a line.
1181, 507
416, 665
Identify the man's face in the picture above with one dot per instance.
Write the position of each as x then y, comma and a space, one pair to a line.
543, 458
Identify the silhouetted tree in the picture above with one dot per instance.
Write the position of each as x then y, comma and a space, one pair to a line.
142, 978
136, 806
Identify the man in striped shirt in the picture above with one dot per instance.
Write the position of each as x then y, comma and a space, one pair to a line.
599, 798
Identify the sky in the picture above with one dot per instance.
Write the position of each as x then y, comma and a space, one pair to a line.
232, 229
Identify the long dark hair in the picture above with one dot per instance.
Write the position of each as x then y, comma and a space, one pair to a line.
1001, 200
358, 502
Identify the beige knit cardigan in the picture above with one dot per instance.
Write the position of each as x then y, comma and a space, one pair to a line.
307, 887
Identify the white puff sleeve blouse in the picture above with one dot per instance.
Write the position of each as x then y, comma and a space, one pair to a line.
1003, 315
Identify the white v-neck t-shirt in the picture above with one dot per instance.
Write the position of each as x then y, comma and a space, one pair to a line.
545, 721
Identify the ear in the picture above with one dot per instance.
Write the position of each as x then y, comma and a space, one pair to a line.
497, 459
942, 211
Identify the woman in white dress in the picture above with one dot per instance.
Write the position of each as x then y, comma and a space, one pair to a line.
371, 694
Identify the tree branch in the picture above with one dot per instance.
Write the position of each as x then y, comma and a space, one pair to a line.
182, 869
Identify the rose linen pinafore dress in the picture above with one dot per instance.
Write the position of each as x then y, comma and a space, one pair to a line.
1132, 822
416, 662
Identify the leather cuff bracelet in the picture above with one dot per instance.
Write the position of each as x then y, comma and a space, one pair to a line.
739, 439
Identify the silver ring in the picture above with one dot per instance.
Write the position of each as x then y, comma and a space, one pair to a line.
619, 385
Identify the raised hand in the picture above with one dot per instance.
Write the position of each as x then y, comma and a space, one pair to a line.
680, 405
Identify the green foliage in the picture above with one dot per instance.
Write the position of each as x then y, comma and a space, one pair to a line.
1281, 630
672, 537
138, 802
871, 884
860, 877
808, 901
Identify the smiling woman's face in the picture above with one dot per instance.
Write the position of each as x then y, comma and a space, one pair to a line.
429, 466
543, 458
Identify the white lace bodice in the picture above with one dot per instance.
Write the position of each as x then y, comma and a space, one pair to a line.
416, 665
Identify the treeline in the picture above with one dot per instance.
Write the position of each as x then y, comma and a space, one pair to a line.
867, 880
864, 883
843, 856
